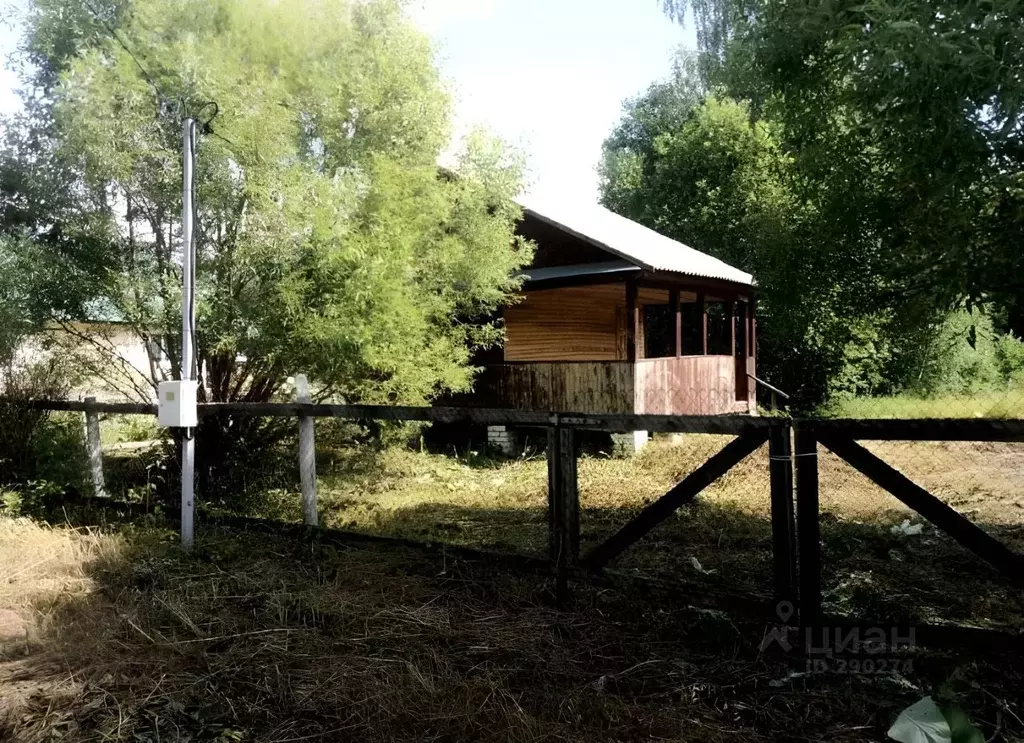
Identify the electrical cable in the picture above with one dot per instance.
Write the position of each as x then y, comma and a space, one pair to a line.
190, 279
194, 371
113, 32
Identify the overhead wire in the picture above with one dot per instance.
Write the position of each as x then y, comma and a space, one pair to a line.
117, 37
194, 371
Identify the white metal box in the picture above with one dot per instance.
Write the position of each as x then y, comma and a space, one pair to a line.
176, 407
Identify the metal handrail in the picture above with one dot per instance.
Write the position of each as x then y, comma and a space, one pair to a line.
774, 389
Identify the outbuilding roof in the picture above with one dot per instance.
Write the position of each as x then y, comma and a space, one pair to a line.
631, 241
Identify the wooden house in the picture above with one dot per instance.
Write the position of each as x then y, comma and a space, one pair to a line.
617, 318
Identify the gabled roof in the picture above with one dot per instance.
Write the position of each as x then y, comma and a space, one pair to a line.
631, 241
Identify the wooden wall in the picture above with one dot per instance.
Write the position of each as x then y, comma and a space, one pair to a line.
687, 385
573, 387
584, 323
579, 323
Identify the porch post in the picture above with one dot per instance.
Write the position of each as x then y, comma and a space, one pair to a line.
740, 348
631, 321
752, 350
677, 313
703, 309
751, 328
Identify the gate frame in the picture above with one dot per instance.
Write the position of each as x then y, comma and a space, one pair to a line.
840, 437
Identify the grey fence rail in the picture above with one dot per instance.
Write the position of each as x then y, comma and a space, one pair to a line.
793, 447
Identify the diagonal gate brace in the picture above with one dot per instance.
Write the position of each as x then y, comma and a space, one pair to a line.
684, 492
955, 524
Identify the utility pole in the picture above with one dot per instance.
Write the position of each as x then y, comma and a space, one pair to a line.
188, 448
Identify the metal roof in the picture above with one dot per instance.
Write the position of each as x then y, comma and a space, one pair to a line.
632, 241
540, 275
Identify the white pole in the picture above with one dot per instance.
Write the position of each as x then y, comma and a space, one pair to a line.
188, 449
307, 454
95, 450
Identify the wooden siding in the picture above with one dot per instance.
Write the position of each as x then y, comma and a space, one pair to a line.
579, 387
569, 324
687, 385
580, 323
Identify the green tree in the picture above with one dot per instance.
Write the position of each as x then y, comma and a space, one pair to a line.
327, 241
905, 120
701, 169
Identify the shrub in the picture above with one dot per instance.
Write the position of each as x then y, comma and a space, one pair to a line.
37, 446
1010, 358
961, 356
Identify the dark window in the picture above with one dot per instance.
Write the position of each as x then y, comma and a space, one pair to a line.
741, 330
719, 329
659, 331
692, 330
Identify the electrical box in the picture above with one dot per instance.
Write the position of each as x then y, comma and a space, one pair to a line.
176, 407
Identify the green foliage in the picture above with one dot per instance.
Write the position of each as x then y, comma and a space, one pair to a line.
962, 356
327, 242
875, 187
120, 429
37, 447
867, 360
1010, 357
701, 170
904, 119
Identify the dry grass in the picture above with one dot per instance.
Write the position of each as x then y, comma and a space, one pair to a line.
869, 569
262, 639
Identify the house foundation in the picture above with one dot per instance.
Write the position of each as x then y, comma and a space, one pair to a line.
502, 438
628, 444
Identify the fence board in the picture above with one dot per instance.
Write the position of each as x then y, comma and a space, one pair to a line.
780, 466
808, 525
951, 429
612, 422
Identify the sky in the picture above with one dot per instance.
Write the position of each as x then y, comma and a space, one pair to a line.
549, 76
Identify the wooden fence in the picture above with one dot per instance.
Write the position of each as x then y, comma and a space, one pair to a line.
793, 470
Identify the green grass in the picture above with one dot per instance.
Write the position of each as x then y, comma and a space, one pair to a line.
122, 429
1002, 404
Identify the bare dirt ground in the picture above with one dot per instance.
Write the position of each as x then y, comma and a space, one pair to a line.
118, 636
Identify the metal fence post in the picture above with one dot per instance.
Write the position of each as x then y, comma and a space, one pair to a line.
780, 467
94, 450
307, 454
808, 526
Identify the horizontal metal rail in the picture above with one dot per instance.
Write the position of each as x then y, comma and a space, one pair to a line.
613, 422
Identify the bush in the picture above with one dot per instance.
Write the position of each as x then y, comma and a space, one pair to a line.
866, 360
961, 357
37, 446
1010, 358
120, 429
